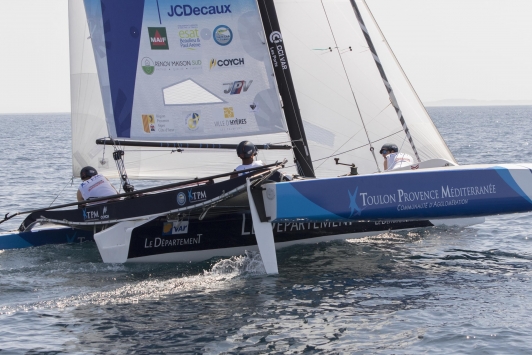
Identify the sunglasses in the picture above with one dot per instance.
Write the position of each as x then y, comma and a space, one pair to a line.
383, 151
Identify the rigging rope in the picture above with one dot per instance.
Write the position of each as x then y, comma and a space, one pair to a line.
405, 77
351, 87
350, 150
60, 192
387, 84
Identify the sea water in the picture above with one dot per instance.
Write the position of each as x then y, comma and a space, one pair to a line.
433, 290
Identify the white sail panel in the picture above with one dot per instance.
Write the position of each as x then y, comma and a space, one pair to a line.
174, 71
428, 140
339, 88
87, 115
89, 124
188, 93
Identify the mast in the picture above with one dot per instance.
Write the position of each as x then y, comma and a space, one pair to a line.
286, 88
393, 100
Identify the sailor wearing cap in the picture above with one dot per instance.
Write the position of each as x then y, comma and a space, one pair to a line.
393, 159
94, 185
247, 151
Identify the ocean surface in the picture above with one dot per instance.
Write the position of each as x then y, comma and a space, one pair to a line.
433, 290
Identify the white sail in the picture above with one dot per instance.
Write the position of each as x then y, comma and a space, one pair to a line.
88, 119
184, 72
343, 100
89, 124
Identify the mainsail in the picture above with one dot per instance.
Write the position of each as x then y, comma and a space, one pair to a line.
177, 71
174, 76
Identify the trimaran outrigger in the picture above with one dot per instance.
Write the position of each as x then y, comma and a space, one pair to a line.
190, 77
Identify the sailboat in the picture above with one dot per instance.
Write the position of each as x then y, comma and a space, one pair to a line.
166, 89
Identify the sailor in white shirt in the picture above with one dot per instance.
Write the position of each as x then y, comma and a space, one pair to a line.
94, 185
393, 159
247, 151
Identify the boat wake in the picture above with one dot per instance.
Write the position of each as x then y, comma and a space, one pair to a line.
248, 264
388, 238
222, 274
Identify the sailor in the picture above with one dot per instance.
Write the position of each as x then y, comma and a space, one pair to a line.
247, 151
94, 185
393, 159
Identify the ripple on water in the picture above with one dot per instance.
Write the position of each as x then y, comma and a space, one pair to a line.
433, 290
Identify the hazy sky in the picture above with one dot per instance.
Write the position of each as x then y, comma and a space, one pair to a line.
450, 49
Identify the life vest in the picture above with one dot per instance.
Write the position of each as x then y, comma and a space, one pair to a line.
255, 164
96, 186
399, 160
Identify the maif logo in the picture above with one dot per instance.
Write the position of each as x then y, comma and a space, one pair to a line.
275, 37
158, 37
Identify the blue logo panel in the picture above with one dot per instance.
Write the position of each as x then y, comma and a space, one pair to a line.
418, 195
122, 28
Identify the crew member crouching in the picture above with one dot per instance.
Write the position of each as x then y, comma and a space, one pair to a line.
94, 185
393, 159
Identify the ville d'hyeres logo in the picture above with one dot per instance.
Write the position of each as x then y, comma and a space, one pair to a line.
355, 210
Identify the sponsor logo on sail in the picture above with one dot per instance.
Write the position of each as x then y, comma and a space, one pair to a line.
181, 199
189, 36
237, 87
148, 66
177, 64
230, 121
158, 37
254, 107
189, 10
228, 112
277, 50
175, 228
226, 63
148, 123
222, 35
192, 121
276, 37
